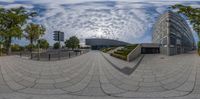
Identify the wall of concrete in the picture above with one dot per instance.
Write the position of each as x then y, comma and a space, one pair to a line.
134, 53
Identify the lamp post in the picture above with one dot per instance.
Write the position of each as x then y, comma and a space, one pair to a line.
38, 49
1, 47
39, 46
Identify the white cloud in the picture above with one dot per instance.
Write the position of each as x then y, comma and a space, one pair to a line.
7, 0
80, 1
129, 21
18, 5
124, 21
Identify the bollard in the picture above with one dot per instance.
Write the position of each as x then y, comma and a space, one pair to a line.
69, 55
20, 54
31, 56
76, 53
49, 57
59, 56
38, 56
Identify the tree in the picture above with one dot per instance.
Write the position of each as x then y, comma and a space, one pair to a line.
1, 41
11, 23
193, 14
43, 43
56, 45
73, 42
33, 32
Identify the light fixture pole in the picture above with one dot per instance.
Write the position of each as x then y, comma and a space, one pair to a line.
38, 49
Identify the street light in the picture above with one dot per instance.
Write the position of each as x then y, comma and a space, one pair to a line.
38, 49
1, 47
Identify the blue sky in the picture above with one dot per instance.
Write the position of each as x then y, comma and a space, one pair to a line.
125, 20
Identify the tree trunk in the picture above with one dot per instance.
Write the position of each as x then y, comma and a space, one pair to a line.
9, 46
0, 49
31, 48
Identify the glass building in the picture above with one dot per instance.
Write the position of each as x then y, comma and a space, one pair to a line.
98, 43
173, 34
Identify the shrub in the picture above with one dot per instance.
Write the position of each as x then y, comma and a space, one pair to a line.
43, 44
105, 50
56, 45
16, 48
28, 47
122, 53
119, 56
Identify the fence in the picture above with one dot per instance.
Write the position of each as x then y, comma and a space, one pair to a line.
52, 55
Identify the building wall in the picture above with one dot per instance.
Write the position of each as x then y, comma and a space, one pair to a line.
97, 43
161, 32
173, 34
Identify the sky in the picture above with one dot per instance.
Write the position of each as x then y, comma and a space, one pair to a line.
125, 20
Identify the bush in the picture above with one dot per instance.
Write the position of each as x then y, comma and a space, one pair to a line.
28, 47
105, 50
122, 53
16, 48
43, 44
2, 51
126, 50
199, 48
56, 45
119, 56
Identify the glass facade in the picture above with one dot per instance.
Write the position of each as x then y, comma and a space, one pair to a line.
173, 33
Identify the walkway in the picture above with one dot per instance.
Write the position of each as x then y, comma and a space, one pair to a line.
91, 76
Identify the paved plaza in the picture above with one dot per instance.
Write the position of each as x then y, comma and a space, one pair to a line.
96, 75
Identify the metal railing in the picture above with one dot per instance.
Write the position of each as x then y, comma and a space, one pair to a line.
52, 55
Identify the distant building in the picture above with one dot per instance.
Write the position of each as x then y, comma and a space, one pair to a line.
173, 34
98, 43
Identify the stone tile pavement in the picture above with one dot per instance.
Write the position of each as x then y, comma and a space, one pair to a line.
91, 76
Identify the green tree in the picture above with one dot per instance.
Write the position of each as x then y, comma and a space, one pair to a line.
56, 45
73, 42
193, 14
11, 23
43, 43
199, 44
1, 41
33, 32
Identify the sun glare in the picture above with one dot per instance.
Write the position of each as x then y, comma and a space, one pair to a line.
99, 33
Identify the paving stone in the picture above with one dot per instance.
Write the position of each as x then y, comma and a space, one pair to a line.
94, 77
